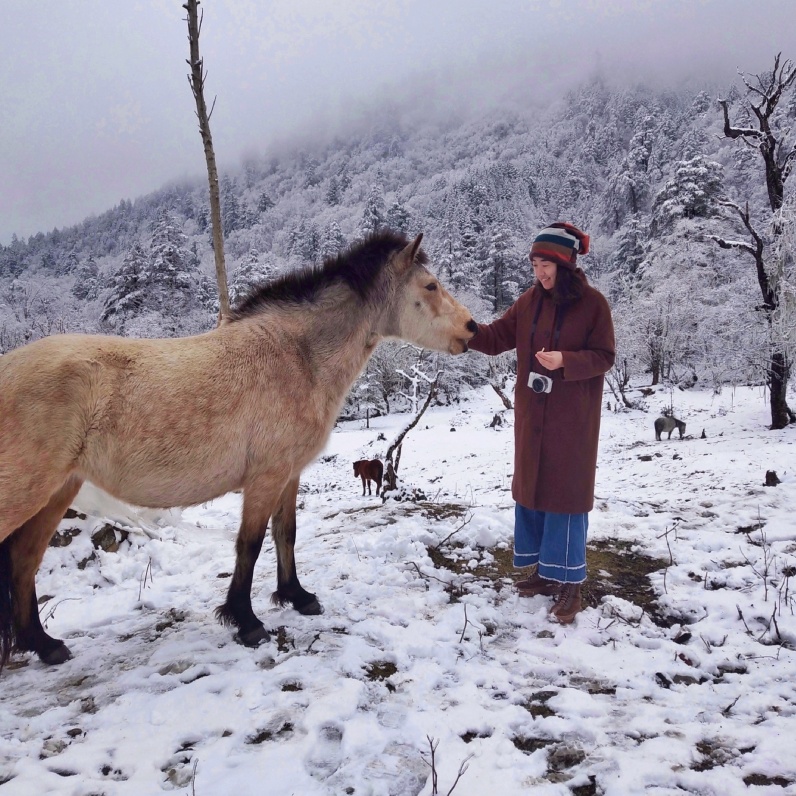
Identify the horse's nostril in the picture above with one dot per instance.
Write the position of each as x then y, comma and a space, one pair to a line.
472, 326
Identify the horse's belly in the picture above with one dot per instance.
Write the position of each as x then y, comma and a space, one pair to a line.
162, 493
182, 482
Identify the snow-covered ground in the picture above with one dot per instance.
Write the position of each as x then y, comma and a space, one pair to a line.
695, 694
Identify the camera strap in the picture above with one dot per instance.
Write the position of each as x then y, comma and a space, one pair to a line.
557, 330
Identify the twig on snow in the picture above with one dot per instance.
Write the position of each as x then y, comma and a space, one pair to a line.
464, 765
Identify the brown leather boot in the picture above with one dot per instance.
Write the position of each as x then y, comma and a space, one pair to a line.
535, 584
568, 604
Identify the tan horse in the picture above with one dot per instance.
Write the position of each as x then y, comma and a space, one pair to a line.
177, 422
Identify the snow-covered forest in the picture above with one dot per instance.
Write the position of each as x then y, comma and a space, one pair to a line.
648, 172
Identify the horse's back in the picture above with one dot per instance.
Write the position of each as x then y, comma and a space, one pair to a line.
43, 389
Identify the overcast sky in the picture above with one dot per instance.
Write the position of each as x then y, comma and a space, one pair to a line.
95, 105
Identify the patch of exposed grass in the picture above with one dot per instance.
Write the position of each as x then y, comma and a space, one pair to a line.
442, 511
614, 568
380, 670
268, 735
173, 616
284, 641
712, 754
589, 789
537, 705
762, 779
470, 736
628, 576
530, 745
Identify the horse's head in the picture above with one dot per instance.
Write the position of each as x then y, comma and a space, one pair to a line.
358, 467
425, 313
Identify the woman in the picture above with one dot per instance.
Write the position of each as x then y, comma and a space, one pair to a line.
563, 333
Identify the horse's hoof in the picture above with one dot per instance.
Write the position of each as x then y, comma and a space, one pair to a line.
254, 637
56, 655
312, 608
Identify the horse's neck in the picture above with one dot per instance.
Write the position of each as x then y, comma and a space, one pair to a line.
339, 339
341, 344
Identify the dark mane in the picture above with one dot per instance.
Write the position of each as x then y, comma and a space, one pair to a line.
358, 266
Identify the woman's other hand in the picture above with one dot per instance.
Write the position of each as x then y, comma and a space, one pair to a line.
552, 360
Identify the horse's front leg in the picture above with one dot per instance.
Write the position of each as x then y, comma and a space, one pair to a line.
288, 588
260, 498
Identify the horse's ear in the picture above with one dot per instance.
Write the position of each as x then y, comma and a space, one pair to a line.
410, 251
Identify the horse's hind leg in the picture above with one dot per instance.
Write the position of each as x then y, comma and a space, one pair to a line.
22, 554
288, 588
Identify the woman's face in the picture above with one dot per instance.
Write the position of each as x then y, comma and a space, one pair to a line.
545, 271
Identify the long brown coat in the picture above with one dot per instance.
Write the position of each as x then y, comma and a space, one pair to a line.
556, 433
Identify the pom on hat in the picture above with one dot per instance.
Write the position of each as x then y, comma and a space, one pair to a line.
561, 243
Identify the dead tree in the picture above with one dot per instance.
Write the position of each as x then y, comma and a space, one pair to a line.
196, 80
770, 134
618, 380
391, 471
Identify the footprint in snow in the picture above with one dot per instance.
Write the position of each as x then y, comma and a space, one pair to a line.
326, 755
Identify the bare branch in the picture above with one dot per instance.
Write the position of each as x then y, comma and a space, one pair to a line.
733, 244
735, 132
453, 533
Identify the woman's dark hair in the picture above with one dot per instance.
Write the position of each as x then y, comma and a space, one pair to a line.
569, 286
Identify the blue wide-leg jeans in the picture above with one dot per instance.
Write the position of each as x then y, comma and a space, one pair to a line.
556, 542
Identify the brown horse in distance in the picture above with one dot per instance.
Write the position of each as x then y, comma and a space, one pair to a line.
178, 422
369, 470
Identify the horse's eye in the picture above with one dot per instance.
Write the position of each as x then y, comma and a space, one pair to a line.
431, 286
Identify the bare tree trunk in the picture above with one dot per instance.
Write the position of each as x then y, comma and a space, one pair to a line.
503, 397
392, 470
617, 380
493, 382
196, 79
778, 372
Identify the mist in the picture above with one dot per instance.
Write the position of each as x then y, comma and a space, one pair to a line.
96, 105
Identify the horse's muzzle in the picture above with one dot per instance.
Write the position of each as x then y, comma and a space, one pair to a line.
471, 327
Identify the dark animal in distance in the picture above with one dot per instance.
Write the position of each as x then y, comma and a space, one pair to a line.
178, 422
666, 423
369, 470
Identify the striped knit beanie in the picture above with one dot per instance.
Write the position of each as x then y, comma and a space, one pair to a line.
561, 243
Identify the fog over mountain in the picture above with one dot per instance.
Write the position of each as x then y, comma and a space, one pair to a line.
97, 108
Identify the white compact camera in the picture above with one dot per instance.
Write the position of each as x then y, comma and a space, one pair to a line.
539, 383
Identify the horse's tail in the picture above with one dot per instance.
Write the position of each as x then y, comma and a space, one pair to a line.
6, 603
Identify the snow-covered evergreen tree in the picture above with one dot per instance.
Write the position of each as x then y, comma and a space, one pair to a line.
127, 295
252, 270
332, 240
398, 218
86, 286
694, 191
373, 216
